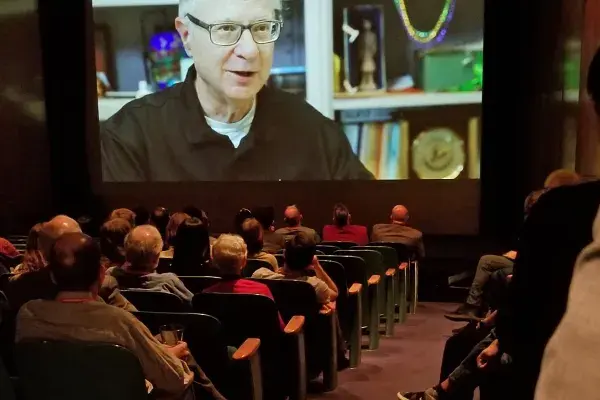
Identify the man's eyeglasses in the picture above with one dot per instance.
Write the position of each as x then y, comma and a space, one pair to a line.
229, 33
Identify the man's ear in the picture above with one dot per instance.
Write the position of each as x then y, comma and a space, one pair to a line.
184, 33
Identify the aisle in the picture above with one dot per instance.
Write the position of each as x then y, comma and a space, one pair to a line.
409, 361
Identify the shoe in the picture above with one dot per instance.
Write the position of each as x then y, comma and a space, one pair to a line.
429, 394
466, 313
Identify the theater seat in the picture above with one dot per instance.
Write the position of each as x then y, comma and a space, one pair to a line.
147, 300
327, 249
342, 245
252, 265
78, 370
197, 284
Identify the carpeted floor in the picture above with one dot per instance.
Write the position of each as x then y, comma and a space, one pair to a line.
409, 361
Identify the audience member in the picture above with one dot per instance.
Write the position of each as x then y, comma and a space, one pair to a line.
252, 233
142, 251
561, 177
174, 222
124, 213
9, 255
112, 241
292, 218
39, 284
32, 259
142, 216
399, 231
76, 315
230, 255
191, 254
342, 229
193, 211
570, 363
239, 219
272, 241
160, 219
300, 264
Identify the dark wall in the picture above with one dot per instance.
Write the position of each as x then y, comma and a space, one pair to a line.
25, 194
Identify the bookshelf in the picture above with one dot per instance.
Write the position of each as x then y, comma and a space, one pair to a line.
357, 101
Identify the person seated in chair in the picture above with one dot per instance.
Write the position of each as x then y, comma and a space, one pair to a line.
112, 241
398, 231
292, 217
142, 252
124, 213
272, 241
75, 315
301, 264
252, 233
38, 284
230, 254
191, 250
342, 230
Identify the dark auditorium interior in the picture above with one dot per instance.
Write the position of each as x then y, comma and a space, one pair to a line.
192, 211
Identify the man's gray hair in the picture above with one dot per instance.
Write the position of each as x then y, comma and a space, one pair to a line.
142, 248
187, 6
229, 252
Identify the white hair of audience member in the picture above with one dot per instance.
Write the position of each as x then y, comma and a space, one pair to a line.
230, 254
142, 248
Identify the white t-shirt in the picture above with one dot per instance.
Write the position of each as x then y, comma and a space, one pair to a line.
235, 131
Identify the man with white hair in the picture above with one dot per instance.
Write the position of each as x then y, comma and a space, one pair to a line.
142, 252
223, 122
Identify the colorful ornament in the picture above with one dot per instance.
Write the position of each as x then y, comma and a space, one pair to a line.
440, 28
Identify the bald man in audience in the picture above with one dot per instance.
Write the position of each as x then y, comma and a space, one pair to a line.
124, 213
292, 217
143, 246
398, 231
39, 284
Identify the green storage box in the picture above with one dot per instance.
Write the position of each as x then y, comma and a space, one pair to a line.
450, 68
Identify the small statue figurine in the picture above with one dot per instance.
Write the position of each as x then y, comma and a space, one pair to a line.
367, 50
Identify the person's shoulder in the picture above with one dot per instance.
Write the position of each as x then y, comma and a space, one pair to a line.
293, 107
266, 273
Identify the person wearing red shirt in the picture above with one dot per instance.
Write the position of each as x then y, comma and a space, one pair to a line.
342, 230
230, 254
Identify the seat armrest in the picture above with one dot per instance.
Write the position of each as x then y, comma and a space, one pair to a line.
355, 289
326, 311
403, 266
247, 350
390, 272
295, 326
374, 280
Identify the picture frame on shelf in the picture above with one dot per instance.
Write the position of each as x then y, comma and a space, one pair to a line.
364, 49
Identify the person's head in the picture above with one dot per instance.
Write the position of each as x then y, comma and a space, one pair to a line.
531, 199
232, 62
230, 254
367, 25
191, 244
112, 239
593, 81
266, 217
33, 259
252, 233
399, 215
292, 216
142, 215
239, 219
300, 251
174, 222
561, 177
192, 211
53, 229
160, 219
74, 262
142, 248
124, 213
7, 249
341, 215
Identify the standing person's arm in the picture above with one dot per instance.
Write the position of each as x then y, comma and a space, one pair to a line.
322, 275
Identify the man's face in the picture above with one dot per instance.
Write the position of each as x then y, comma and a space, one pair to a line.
237, 71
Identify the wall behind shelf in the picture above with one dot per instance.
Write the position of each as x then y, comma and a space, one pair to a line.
127, 44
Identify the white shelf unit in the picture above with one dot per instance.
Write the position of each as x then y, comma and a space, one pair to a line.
319, 68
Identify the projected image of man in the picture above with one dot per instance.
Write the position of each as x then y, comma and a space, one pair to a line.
222, 123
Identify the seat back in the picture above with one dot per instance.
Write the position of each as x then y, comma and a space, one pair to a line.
389, 254
337, 273
342, 245
354, 267
252, 265
280, 259
148, 300
196, 284
404, 252
202, 333
327, 249
164, 265
374, 261
78, 370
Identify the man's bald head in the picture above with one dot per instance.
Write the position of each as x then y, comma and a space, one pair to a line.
142, 248
74, 261
399, 214
292, 216
53, 229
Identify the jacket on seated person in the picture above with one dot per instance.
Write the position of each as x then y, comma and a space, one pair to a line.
321, 289
167, 282
22, 288
290, 232
272, 242
235, 284
348, 233
264, 256
399, 233
97, 322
